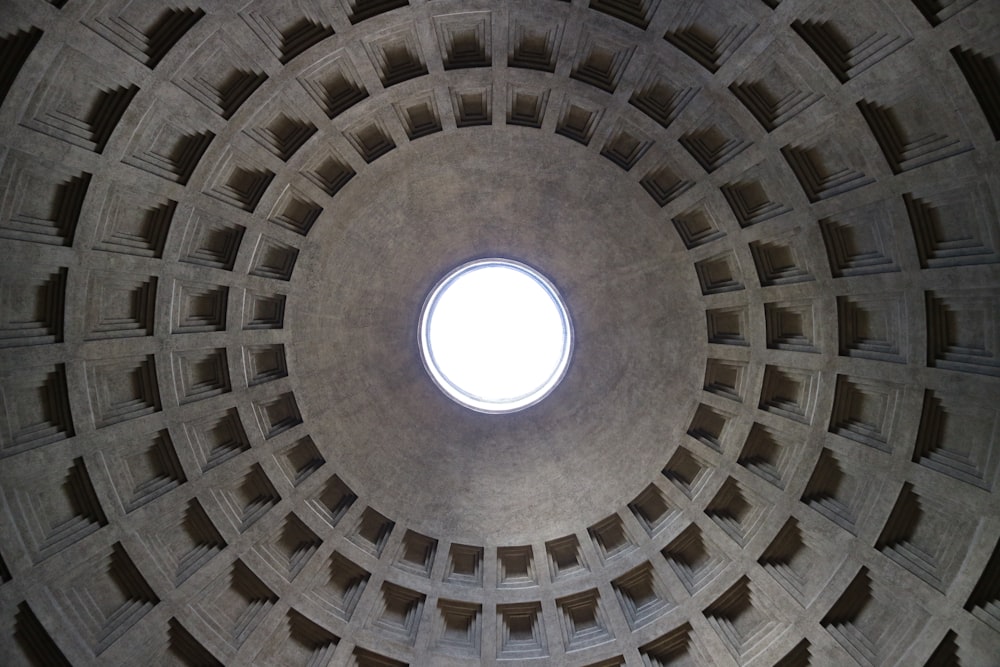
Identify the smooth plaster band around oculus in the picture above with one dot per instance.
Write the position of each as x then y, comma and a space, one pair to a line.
505, 297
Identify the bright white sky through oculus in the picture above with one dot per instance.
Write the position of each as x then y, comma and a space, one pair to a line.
497, 334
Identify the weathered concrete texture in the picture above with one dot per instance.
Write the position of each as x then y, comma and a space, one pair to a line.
775, 225
524, 476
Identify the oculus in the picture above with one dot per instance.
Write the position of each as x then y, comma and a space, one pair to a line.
495, 335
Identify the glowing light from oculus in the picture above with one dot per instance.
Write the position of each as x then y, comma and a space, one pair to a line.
495, 336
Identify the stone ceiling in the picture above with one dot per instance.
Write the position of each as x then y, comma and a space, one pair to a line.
774, 222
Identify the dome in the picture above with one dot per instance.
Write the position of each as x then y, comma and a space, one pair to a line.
773, 224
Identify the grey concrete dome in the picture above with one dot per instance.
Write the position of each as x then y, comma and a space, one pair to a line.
774, 223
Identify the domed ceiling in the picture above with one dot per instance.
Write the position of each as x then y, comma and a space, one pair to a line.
774, 224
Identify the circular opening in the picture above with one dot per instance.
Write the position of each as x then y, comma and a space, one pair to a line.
495, 335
